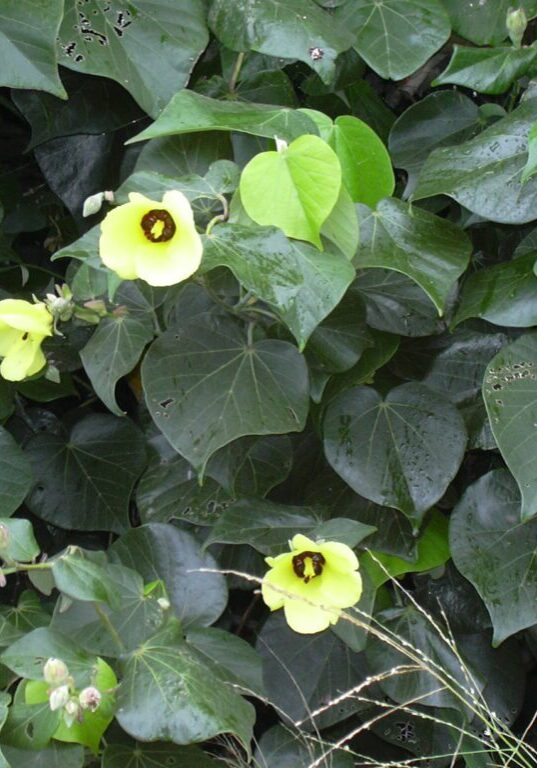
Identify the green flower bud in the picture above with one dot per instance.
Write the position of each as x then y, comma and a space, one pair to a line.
516, 23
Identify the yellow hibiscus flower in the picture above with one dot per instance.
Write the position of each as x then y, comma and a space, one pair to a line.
154, 241
312, 583
23, 326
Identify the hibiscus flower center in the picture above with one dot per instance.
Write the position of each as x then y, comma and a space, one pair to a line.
308, 565
158, 225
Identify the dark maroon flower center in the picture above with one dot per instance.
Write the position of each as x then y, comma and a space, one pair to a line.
308, 570
158, 225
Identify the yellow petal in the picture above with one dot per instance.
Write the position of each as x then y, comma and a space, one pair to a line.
26, 317
122, 236
301, 543
8, 337
283, 578
305, 618
340, 556
341, 590
172, 262
23, 359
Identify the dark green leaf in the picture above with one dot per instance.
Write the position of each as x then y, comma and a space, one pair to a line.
252, 466
511, 399
484, 174
431, 251
484, 23
279, 747
172, 692
304, 672
15, 474
157, 755
27, 45
496, 552
149, 51
160, 551
206, 385
303, 284
487, 70
18, 620
262, 524
441, 119
530, 169
400, 452
84, 481
340, 340
396, 37
292, 29
396, 304
56, 755
29, 726
182, 155
190, 112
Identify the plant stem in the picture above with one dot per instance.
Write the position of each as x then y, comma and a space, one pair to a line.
236, 71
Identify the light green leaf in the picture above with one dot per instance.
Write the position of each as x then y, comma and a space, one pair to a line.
487, 70
15, 474
510, 396
190, 112
294, 188
162, 552
530, 169
341, 226
496, 552
484, 174
400, 452
365, 163
292, 29
172, 692
504, 294
95, 468
20, 540
395, 37
149, 50
431, 251
302, 284
206, 385
27, 45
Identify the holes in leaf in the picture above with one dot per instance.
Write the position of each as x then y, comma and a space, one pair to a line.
407, 733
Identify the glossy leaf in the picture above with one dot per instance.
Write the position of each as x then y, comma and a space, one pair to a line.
293, 29
27, 45
160, 551
262, 524
400, 452
155, 755
396, 37
341, 226
171, 692
189, 112
293, 188
149, 51
504, 294
206, 386
430, 250
15, 474
95, 466
484, 23
484, 174
496, 552
252, 466
443, 118
365, 164
17, 540
510, 396
530, 169
487, 70
339, 342
301, 283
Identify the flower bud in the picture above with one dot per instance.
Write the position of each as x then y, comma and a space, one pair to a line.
90, 698
59, 697
516, 24
55, 672
4, 536
164, 603
71, 712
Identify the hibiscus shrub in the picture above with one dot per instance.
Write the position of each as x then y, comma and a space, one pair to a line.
268, 383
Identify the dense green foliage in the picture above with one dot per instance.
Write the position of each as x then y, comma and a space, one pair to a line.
354, 360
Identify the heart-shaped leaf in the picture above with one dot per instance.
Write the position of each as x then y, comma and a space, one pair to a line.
400, 452
15, 474
294, 188
206, 385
